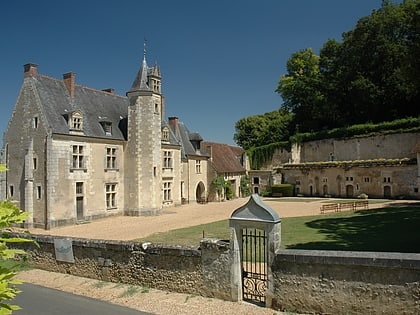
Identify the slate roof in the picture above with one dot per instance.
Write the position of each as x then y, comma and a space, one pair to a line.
226, 158
96, 106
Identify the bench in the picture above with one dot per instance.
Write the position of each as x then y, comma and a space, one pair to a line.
330, 207
361, 204
347, 206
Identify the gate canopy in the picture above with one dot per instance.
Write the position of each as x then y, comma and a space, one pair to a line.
256, 211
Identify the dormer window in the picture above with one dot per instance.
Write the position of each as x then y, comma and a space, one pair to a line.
76, 121
107, 127
165, 134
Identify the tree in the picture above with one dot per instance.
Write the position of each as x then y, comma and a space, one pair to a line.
9, 215
300, 89
219, 184
263, 129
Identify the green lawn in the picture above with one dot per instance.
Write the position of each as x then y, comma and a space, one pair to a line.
392, 229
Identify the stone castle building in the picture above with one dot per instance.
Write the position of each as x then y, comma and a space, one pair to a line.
75, 153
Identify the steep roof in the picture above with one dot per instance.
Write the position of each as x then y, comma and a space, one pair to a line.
96, 106
225, 158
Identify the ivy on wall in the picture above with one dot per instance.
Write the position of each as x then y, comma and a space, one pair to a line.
260, 155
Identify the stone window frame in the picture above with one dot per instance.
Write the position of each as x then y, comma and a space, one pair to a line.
111, 158
165, 134
198, 166
167, 191
111, 196
167, 160
78, 157
76, 121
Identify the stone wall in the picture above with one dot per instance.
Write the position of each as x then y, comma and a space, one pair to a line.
305, 281
202, 271
333, 282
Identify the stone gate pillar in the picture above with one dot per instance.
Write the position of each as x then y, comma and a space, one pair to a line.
253, 215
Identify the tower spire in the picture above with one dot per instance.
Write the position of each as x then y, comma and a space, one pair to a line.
141, 81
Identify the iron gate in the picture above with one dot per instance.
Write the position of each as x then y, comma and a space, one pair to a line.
254, 264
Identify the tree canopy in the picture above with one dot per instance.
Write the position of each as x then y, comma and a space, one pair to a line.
372, 75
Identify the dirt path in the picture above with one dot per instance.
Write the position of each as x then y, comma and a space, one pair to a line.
130, 228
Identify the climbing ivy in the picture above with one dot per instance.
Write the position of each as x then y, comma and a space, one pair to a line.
260, 155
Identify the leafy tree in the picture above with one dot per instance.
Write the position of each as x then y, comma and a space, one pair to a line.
263, 129
244, 186
9, 215
219, 184
300, 89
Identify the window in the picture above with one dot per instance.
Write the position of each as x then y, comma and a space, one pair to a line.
255, 180
34, 163
366, 179
107, 127
111, 158
78, 157
167, 159
325, 180
38, 192
167, 191
11, 191
156, 108
111, 196
154, 171
79, 188
165, 134
198, 166
387, 179
35, 122
349, 178
76, 121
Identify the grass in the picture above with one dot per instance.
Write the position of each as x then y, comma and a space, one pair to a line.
389, 229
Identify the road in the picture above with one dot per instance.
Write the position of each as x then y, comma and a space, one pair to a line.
37, 300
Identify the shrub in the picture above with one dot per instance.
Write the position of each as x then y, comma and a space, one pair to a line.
284, 190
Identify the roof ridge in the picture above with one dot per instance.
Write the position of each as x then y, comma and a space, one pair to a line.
81, 86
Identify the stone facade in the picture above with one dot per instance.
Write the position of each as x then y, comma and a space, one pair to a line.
75, 153
386, 166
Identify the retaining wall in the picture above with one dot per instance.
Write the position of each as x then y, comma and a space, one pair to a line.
336, 282
305, 281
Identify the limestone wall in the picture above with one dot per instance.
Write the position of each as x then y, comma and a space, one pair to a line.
332, 282
203, 271
390, 146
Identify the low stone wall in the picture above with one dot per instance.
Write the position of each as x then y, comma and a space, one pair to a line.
336, 282
202, 271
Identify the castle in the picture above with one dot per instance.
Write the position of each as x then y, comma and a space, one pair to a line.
75, 153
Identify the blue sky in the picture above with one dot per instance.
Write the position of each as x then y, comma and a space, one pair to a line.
220, 60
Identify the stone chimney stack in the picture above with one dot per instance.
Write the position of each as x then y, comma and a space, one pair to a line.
30, 70
173, 123
70, 81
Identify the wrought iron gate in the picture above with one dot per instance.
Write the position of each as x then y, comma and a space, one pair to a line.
254, 264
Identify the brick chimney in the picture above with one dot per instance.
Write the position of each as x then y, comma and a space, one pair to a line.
173, 123
30, 70
70, 80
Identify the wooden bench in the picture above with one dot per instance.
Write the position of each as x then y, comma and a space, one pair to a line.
347, 206
361, 204
330, 207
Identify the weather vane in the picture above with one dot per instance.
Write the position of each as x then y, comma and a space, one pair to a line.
144, 47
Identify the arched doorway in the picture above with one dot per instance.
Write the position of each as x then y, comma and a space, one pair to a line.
324, 190
387, 191
311, 190
349, 191
200, 193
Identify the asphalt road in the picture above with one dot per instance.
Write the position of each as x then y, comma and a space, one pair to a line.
37, 300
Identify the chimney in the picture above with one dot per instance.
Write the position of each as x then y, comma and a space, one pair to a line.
173, 123
69, 80
30, 70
